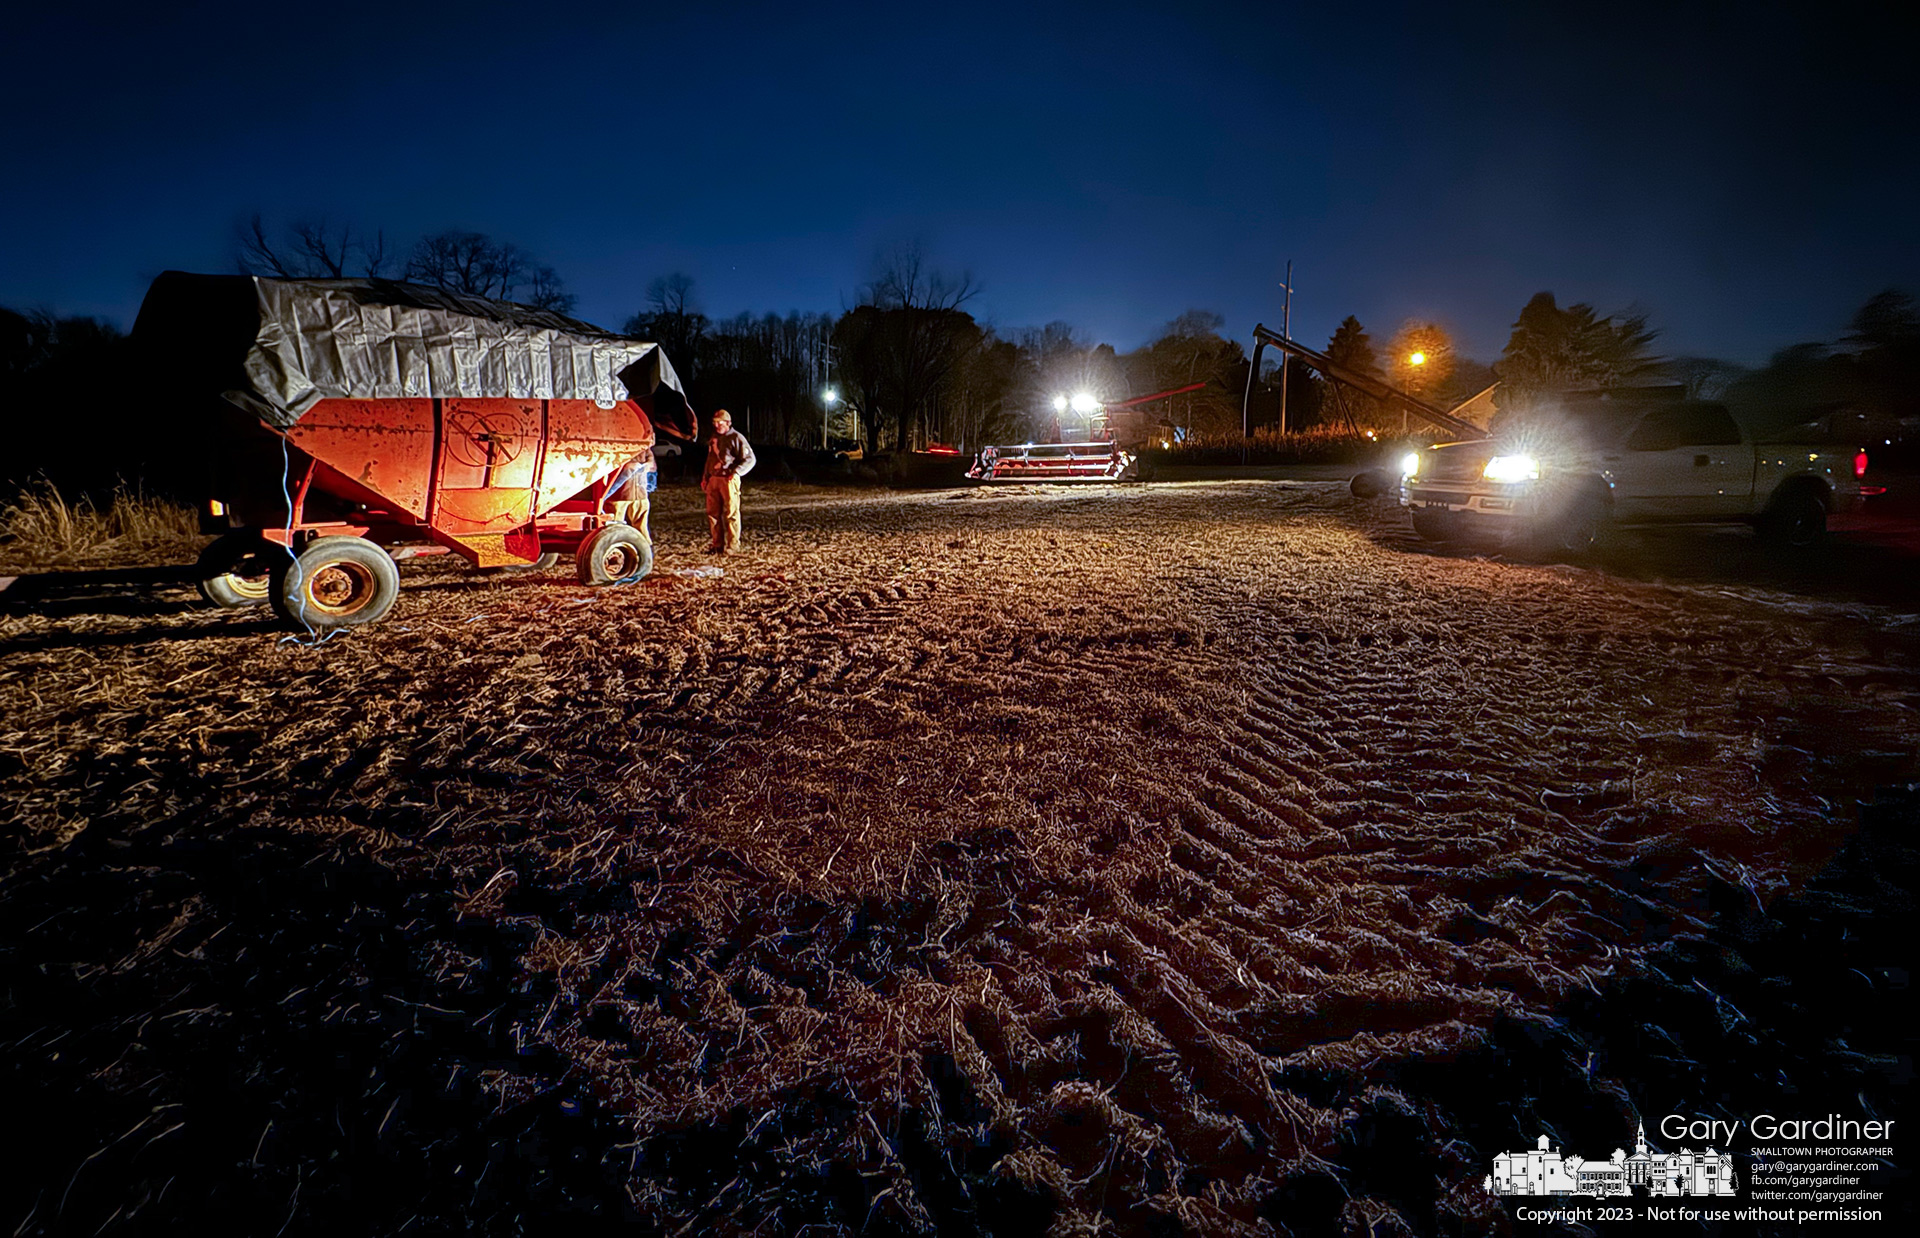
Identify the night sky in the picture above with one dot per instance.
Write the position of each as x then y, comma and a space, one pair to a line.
1745, 175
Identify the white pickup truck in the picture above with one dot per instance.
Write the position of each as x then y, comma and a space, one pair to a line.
1557, 483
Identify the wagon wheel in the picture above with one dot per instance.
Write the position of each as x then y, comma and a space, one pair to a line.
617, 555
236, 570
336, 582
545, 561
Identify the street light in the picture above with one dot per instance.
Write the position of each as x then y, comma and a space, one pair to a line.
1418, 358
828, 399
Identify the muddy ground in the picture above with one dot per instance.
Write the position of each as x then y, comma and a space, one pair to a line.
1206, 857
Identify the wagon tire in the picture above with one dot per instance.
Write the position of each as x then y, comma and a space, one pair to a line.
236, 570
545, 562
617, 555
335, 582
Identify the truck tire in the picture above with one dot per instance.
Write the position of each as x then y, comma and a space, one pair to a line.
236, 570
1796, 521
617, 555
1577, 530
1434, 527
336, 582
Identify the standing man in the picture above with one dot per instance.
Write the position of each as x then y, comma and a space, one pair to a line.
729, 458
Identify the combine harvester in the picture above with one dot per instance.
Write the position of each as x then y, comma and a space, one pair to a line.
1108, 453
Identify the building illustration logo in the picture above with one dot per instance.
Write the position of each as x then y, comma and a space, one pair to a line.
1544, 1171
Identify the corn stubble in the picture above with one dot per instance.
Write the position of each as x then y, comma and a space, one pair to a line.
994, 861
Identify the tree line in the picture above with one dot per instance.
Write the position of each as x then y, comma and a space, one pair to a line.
909, 366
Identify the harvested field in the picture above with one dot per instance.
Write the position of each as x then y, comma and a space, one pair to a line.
978, 860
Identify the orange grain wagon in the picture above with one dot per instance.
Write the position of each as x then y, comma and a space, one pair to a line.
349, 423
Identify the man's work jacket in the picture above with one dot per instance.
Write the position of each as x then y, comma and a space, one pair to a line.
728, 455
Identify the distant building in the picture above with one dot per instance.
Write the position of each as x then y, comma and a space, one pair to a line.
1545, 1171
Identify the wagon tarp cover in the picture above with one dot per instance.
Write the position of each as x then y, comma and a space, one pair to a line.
277, 347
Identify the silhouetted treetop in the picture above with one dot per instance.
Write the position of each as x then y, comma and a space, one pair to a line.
1553, 350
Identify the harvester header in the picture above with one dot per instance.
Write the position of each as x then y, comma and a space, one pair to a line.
1108, 455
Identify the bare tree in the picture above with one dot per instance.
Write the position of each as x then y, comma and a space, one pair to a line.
469, 262
544, 292
903, 280
924, 327
671, 294
861, 346
673, 321
982, 392
475, 263
311, 250
1195, 324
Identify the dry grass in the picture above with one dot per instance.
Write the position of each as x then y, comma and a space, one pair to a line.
1083, 854
41, 526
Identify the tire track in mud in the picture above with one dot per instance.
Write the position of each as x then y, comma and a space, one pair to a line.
1330, 964
962, 862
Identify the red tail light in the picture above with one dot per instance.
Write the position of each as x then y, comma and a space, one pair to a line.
1860, 464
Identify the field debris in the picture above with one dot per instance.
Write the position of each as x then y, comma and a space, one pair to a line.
1086, 860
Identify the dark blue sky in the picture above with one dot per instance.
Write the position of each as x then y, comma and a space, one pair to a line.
1746, 175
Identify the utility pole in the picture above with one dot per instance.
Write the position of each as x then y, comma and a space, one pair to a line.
826, 403
1286, 332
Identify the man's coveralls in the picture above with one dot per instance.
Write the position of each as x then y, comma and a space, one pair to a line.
729, 458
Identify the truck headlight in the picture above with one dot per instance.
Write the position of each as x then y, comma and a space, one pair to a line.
1410, 464
1512, 468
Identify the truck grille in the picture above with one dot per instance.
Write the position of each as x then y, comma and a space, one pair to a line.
1442, 467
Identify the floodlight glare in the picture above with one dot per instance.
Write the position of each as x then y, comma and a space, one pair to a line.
831, 396
1512, 469
1059, 404
1084, 403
